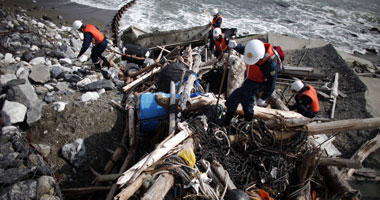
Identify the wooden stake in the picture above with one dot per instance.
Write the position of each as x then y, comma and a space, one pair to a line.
334, 94
224, 76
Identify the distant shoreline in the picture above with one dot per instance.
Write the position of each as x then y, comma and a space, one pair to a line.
67, 10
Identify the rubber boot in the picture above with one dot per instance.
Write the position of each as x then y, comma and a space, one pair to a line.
248, 117
97, 66
227, 120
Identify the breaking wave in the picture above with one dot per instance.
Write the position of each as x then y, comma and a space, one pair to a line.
344, 23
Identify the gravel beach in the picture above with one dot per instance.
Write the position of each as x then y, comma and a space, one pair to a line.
62, 12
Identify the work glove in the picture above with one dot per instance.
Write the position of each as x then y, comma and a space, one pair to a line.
232, 44
261, 102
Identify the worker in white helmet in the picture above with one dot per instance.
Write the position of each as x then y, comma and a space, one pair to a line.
215, 23
92, 35
261, 68
307, 103
222, 43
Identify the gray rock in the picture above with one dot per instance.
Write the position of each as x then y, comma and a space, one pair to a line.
68, 51
45, 185
12, 175
7, 77
15, 82
22, 190
72, 78
49, 97
40, 74
62, 86
11, 131
43, 149
77, 44
24, 75
75, 152
23, 94
38, 61
119, 83
27, 56
65, 61
6, 148
8, 58
34, 113
8, 69
56, 72
106, 84
12, 112
36, 162
41, 90
50, 87
6, 163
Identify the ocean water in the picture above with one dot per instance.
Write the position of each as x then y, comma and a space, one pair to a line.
344, 23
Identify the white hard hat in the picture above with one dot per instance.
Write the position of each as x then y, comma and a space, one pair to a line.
77, 24
216, 32
253, 52
297, 85
214, 11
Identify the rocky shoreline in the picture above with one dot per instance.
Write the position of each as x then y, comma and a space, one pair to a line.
39, 65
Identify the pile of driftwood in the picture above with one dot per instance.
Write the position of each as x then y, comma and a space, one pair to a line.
275, 154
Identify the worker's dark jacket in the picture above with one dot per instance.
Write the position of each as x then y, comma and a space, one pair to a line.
307, 103
217, 21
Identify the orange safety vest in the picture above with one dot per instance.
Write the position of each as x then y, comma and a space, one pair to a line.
254, 71
310, 92
98, 36
221, 46
214, 20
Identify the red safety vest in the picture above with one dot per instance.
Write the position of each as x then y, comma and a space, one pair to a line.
214, 20
98, 36
221, 46
310, 92
254, 71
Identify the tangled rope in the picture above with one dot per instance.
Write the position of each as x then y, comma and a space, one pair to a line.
256, 159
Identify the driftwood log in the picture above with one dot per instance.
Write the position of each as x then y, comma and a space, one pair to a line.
159, 189
141, 79
128, 176
363, 152
337, 183
336, 126
222, 175
340, 162
208, 99
128, 191
276, 101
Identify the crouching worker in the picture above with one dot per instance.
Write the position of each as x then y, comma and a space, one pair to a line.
92, 35
307, 103
261, 68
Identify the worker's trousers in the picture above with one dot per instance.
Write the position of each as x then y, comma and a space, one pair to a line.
244, 95
97, 51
